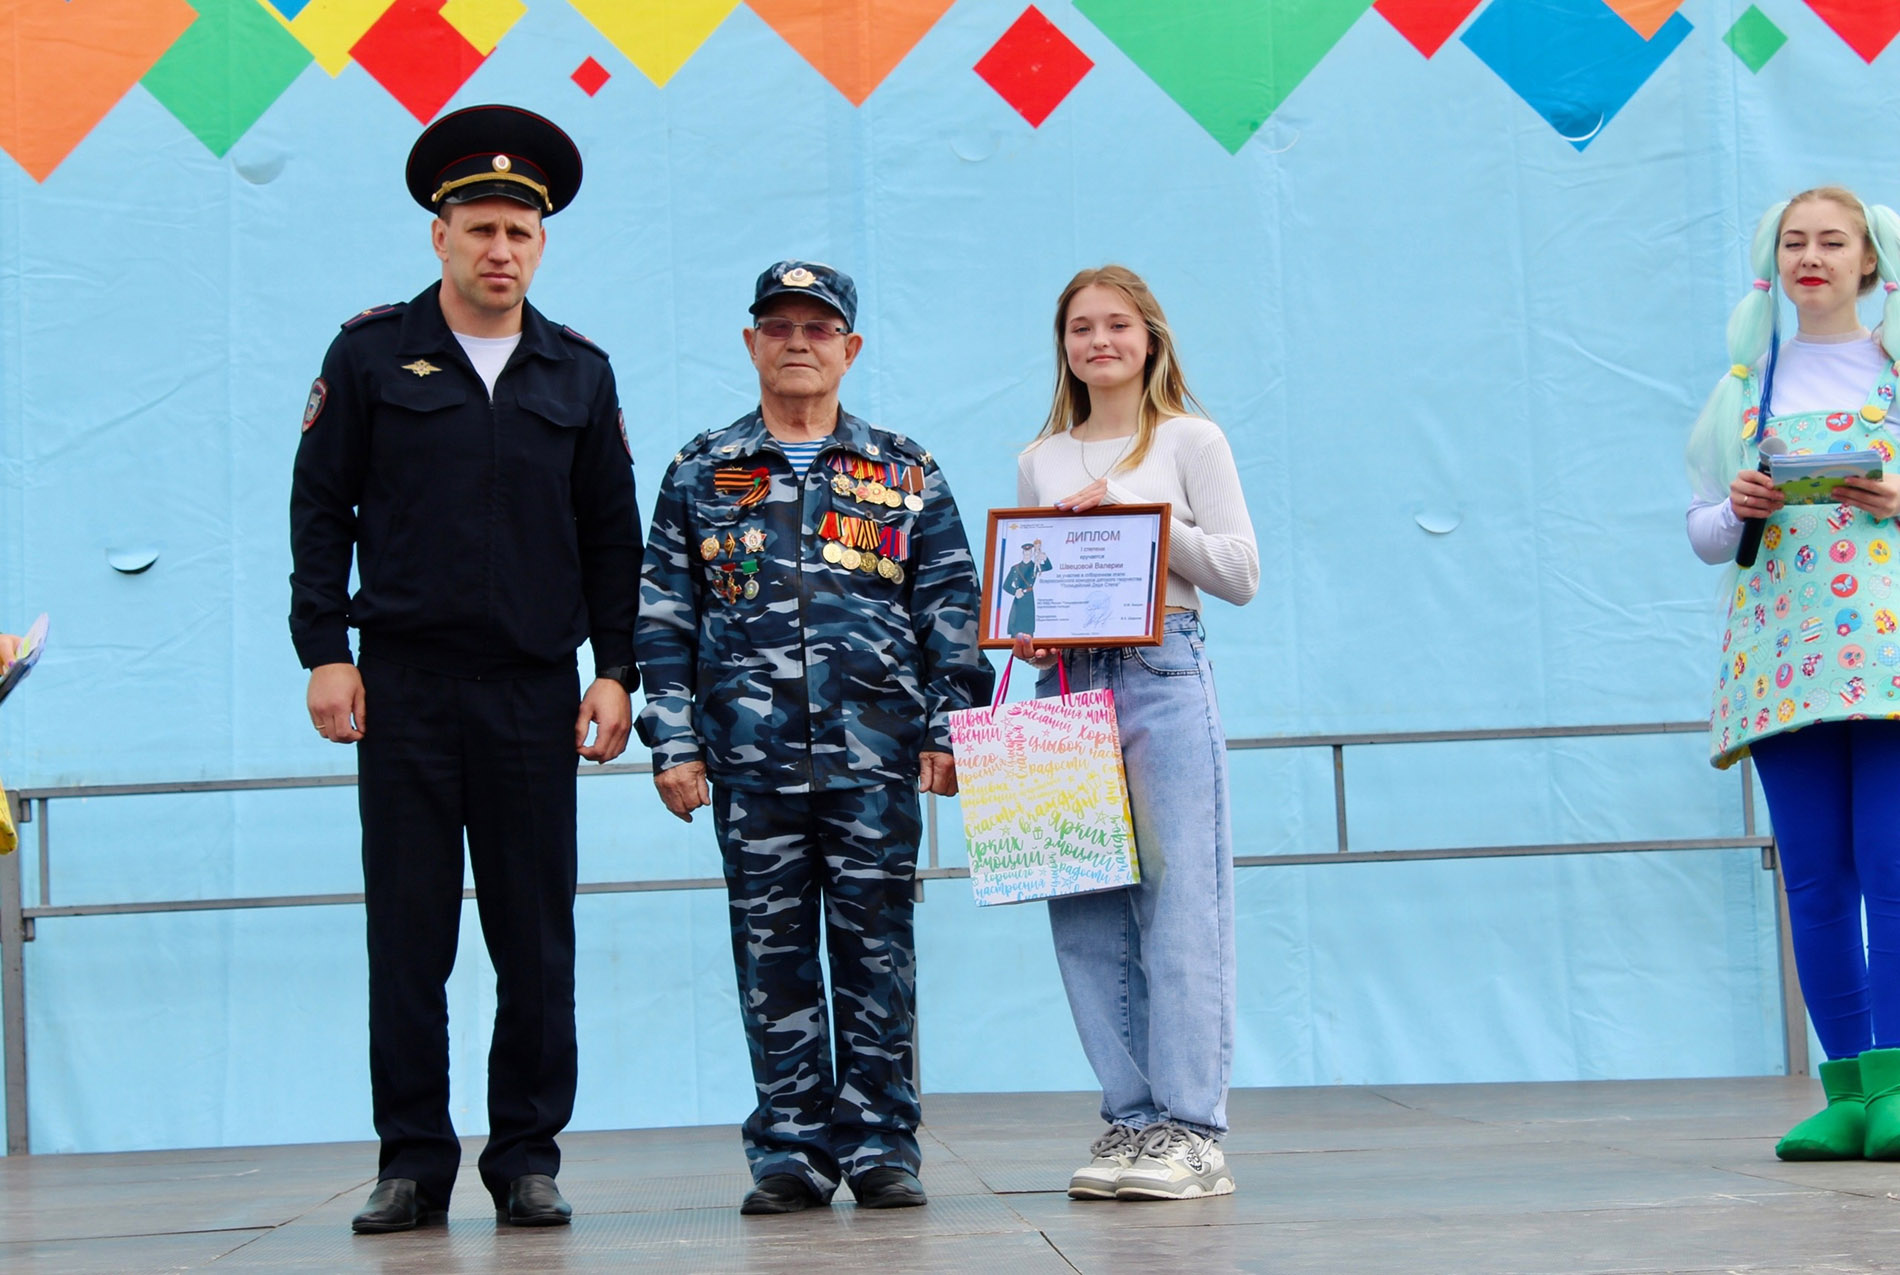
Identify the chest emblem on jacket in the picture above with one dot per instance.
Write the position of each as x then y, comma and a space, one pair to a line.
421, 367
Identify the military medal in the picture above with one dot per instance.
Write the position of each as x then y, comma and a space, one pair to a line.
732, 543
890, 495
893, 543
751, 588
709, 548
874, 492
833, 552
863, 533
753, 539
844, 530
840, 484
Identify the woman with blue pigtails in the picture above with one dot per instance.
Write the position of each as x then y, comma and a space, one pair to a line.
1809, 684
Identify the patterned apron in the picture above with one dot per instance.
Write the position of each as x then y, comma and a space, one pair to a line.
1811, 627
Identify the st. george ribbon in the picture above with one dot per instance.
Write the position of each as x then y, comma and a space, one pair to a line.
1752, 527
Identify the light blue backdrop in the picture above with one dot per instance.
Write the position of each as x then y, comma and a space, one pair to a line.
1408, 300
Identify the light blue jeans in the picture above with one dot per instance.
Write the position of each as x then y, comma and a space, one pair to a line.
1150, 969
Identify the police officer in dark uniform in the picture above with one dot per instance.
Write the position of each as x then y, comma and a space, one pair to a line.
471, 455
808, 622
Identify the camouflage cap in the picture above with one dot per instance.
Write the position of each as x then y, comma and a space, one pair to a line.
809, 279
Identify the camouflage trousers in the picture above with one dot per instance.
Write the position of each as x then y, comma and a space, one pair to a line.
820, 1117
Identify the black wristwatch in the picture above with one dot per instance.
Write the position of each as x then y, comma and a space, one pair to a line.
625, 674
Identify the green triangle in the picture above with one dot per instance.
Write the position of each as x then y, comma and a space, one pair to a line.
226, 70
1227, 63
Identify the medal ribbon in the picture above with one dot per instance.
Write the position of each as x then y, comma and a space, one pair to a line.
755, 484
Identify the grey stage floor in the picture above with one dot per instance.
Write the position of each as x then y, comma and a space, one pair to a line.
1613, 1176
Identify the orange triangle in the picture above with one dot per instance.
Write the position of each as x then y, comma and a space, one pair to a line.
852, 43
1646, 16
65, 63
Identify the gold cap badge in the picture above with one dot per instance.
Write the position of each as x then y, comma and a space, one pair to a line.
798, 277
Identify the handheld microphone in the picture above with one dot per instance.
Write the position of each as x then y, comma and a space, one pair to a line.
1746, 552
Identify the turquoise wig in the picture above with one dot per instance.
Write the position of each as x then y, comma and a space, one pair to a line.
1722, 442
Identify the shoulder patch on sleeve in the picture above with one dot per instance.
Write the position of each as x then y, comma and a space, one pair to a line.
578, 339
373, 313
313, 406
620, 419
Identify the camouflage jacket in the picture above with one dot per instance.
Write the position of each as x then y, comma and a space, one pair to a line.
771, 657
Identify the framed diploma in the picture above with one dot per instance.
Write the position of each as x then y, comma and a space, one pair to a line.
1076, 579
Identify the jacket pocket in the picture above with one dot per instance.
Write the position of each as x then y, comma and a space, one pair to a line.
423, 394
562, 413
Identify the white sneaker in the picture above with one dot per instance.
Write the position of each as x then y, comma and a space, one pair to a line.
1113, 1152
1175, 1163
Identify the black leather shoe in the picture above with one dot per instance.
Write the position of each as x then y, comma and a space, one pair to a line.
888, 1187
779, 1193
394, 1206
534, 1200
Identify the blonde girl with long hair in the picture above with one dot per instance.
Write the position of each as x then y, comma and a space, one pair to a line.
1149, 970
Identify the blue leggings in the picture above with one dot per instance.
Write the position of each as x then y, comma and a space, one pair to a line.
1834, 794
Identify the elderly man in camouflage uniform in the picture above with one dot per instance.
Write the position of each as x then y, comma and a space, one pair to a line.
807, 624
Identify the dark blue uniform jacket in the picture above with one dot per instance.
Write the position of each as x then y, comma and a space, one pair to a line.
491, 537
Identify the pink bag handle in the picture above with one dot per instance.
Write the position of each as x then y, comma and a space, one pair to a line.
1002, 686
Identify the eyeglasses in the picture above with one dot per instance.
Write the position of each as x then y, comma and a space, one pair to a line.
817, 331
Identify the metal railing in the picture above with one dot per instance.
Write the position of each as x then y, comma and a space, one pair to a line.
32, 811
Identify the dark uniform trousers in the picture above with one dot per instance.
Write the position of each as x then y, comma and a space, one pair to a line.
853, 852
494, 757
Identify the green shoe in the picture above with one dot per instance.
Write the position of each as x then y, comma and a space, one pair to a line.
1880, 1074
1838, 1130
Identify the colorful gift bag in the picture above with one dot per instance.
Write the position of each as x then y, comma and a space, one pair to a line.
1045, 800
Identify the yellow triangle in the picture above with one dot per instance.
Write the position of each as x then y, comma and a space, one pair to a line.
331, 28
656, 35
483, 22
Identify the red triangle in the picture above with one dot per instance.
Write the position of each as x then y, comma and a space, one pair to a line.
1868, 26
1427, 24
